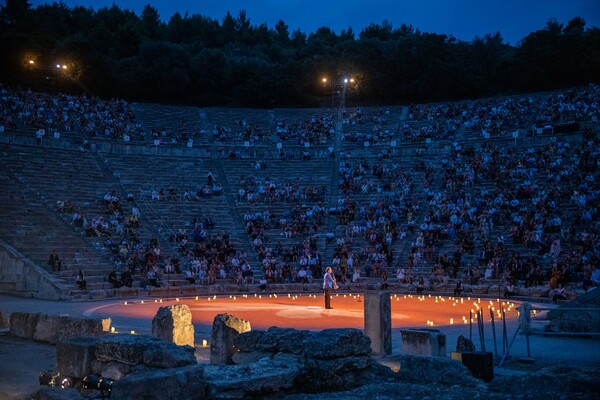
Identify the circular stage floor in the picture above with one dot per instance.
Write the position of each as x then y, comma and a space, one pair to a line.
306, 311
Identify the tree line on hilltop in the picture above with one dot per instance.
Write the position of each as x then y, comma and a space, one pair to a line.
193, 59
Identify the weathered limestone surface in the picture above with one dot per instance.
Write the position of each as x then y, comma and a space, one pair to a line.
138, 349
425, 342
249, 340
254, 380
326, 344
282, 340
174, 324
336, 343
23, 324
4, 319
435, 370
74, 356
242, 357
111, 369
224, 332
327, 360
464, 345
174, 384
52, 328
378, 321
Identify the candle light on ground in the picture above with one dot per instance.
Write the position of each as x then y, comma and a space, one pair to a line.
204, 343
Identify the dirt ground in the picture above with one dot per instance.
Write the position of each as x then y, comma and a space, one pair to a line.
21, 363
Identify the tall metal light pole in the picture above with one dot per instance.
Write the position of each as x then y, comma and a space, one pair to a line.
346, 81
342, 86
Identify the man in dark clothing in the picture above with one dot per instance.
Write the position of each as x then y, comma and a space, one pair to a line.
54, 261
114, 280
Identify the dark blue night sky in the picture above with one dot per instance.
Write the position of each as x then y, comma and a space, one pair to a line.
464, 19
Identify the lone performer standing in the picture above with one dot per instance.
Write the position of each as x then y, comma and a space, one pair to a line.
328, 284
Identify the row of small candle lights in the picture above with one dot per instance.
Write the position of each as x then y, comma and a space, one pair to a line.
504, 306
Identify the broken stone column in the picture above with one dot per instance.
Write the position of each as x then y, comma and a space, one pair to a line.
226, 328
378, 322
174, 324
424, 342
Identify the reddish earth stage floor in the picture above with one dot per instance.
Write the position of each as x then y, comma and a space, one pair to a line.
304, 311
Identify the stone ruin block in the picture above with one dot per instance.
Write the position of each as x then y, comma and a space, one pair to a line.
143, 349
280, 340
425, 342
23, 324
4, 319
256, 380
175, 384
110, 369
52, 328
435, 370
336, 343
226, 328
378, 321
74, 356
464, 345
174, 324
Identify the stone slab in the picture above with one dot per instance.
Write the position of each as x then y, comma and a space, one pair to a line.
378, 321
74, 356
425, 342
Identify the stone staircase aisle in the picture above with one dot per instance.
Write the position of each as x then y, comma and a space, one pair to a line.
33, 224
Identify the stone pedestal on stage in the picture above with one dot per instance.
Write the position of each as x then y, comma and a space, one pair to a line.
378, 322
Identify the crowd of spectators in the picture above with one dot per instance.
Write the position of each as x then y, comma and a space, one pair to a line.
243, 131
315, 130
371, 126
381, 176
478, 214
88, 116
255, 189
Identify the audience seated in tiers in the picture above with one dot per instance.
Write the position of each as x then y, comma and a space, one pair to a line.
244, 131
254, 189
315, 130
484, 212
88, 116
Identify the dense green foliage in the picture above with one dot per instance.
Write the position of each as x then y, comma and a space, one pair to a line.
198, 60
